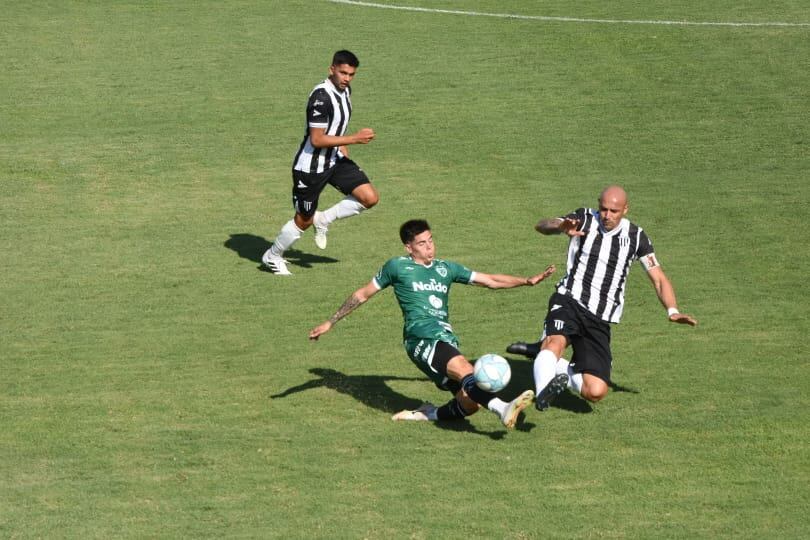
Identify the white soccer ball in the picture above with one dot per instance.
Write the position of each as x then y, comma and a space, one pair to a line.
492, 373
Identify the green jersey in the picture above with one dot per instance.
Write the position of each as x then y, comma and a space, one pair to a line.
422, 293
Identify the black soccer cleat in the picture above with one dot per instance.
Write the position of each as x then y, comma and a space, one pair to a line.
553, 389
526, 349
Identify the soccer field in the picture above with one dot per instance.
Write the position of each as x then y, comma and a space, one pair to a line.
156, 383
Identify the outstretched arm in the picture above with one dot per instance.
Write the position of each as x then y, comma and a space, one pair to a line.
559, 225
354, 301
504, 281
666, 294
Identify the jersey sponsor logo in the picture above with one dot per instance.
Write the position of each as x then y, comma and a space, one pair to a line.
624, 241
442, 271
432, 286
435, 301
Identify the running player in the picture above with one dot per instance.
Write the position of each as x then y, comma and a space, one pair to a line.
323, 158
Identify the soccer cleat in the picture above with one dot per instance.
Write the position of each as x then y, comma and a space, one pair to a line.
422, 414
553, 389
275, 264
320, 232
512, 411
526, 349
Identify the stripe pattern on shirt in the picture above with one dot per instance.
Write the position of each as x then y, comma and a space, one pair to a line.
599, 262
329, 109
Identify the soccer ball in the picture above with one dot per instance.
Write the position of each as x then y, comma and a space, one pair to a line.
492, 373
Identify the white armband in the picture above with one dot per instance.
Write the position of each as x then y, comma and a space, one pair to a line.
649, 261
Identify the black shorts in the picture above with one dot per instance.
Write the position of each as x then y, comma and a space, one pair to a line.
344, 176
589, 335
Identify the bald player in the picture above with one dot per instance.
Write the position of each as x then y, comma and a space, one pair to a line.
602, 245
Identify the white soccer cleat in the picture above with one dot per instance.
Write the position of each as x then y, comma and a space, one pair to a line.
510, 415
422, 414
275, 264
320, 232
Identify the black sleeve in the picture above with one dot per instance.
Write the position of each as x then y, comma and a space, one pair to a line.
319, 109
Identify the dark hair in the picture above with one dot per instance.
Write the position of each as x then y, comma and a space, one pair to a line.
345, 57
411, 228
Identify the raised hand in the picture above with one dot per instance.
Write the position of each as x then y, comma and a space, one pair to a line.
534, 280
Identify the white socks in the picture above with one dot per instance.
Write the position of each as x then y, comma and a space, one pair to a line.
290, 233
545, 367
574, 379
498, 406
348, 207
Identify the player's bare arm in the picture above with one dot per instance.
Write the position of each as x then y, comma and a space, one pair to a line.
559, 225
666, 295
355, 300
505, 281
320, 139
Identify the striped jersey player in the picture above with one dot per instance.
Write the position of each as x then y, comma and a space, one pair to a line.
323, 158
602, 246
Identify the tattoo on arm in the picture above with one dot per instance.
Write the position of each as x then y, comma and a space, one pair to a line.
348, 306
549, 226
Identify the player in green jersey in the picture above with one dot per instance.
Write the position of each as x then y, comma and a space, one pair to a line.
421, 285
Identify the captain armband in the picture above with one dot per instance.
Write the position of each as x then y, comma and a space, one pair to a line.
650, 261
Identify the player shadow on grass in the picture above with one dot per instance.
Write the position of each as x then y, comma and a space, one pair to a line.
252, 247
373, 391
522, 372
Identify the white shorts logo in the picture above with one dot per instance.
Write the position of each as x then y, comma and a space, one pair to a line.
558, 324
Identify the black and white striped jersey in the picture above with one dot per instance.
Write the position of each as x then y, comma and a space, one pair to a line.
598, 263
330, 109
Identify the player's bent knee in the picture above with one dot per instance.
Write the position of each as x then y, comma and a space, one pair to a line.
458, 367
366, 195
302, 222
593, 397
594, 389
368, 202
470, 406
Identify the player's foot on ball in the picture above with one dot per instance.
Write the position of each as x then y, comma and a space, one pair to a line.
422, 414
320, 231
510, 415
275, 264
553, 389
526, 349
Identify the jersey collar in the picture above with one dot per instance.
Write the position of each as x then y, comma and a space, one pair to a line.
332, 88
423, 265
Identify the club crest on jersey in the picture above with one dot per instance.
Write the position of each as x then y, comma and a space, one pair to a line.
441, 270
435, 301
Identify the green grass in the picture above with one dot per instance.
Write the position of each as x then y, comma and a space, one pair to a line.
155, 383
